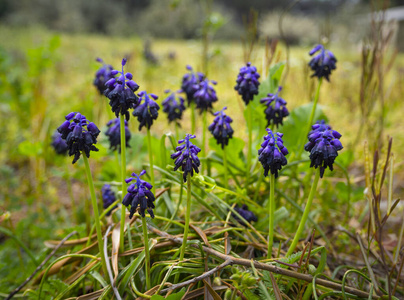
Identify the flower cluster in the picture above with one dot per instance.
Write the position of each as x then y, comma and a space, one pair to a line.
186, 157
59, 144
221, 128
114, 134
248, 215
190, 82
139, 195
276, 108
108, 197
247, 82
80, 135
272, 153
323, 63
147, 111
102, 75
121, 92
323, 146
173, 106
205, 95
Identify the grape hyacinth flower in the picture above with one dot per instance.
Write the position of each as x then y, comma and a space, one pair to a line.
186, 157
80, 135
173, 106
190, 82
276, 108
59, 144
121, 92
114, 134
147, 111
248, 215
323, 146
323, 63
247, 82
205, 95
108, 197
272, 153
139, 195
221, 128
102, 75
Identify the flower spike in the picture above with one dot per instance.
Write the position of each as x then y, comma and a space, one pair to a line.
247, 82
221, 128
276, 109
186, 156
323, 63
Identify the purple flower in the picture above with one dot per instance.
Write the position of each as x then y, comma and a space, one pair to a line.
114, 134
173, 106
322, 63
243, 211
205, 95
189, 83
186, 157
59, 144
276, 108
80, 135
323, 146
121, 92
221, 128
147, 111
108, 197
102, 75
247, 82
272, 153
139, 195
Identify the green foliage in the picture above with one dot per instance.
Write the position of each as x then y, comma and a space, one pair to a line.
173, 296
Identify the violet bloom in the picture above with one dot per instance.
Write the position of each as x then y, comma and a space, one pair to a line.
186, 157
108, 197
114, 134
139, 195
221, 128
322, 63
80, 135
146, 110
205, 95
121, 92
59, 144
276, 108
247, 82
102, 75
272, 153
248, 215
190, 82
173, 106
323, 146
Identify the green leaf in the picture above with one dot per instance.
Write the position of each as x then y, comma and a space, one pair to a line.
234, 151
176, 296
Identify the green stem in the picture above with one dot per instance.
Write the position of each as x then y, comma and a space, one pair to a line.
147, 253
149, 145
249, 150
305, 214
226, 177
203, 152
271, 215
96, 214
193, 117
123, 174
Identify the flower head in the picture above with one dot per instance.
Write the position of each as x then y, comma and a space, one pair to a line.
272, 153
114, 134
59, 144
173, 106
247, 82
205, 95
139, 195
121, 92
189, 83
221, 128
147, 111
243, 211
322, 63
276, 108
186, 157
323, 146
102, 75
108, 197
80, 135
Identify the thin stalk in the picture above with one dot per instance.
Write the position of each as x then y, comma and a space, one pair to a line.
271, 215
226, 176
305, 213
249, 150
193, 117
186, 228
390, 195
96, 214
147, 253
204, 128
151, 160
123, 174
